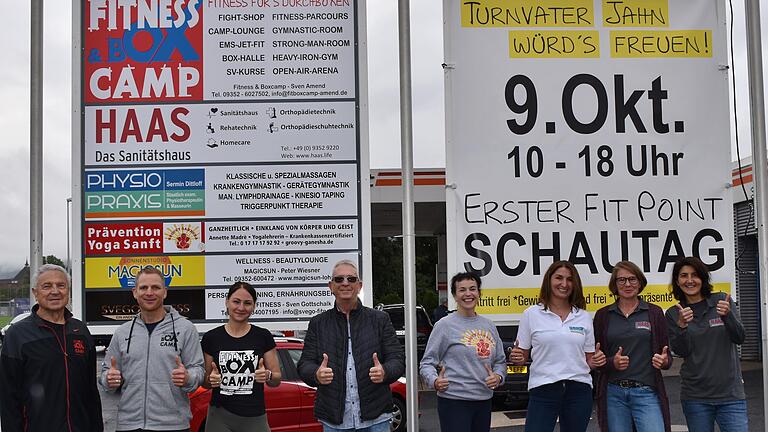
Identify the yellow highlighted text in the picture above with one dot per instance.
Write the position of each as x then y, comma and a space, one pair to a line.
635, 13
554, 44
527, 13
661, 44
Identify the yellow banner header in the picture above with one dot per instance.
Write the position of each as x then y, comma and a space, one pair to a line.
503, 301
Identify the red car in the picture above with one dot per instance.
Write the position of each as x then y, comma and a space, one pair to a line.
290, 405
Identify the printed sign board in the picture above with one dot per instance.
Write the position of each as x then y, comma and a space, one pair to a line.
220, 141
588, 130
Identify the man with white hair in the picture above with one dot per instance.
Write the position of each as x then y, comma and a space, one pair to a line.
48, 365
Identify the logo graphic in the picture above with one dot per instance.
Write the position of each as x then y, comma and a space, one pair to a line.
716, 322
645, 325
579, 330
120, 272
482, 340
237, 369
156, 192
169, 340
147, 55
183, 236
78, 346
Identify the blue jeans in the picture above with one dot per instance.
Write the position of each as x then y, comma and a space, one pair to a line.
571, 401
639, 404
701, 416
378, 427
464, 415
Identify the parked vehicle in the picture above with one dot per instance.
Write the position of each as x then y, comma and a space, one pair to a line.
423, 325
514, 391
15, 319
290, 406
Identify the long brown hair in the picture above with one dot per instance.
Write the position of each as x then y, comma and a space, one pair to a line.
577, 294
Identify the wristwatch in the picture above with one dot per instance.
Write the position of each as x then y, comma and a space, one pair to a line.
269, 375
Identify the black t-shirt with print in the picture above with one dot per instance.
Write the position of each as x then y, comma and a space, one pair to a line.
237, 359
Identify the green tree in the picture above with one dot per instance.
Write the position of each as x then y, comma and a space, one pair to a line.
388, 279
53, 259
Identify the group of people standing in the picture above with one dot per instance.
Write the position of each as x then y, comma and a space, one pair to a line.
48, 377
620, 353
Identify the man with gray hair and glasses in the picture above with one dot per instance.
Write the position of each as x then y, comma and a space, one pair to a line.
48, 365
351, 354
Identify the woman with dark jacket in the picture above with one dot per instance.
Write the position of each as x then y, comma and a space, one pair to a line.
633, 335
705, 330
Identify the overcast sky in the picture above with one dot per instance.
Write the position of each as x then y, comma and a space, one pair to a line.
427, 55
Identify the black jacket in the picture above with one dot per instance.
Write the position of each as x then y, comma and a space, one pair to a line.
42, 388
372, 332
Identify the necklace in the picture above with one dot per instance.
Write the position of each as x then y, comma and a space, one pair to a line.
628, 312
236, 333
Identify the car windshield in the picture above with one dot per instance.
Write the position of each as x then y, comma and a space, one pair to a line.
397, 316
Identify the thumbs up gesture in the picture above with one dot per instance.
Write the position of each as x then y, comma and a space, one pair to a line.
215, 377
493, 380
517, 356
598, 358
114, 376
261, 375
376, 373
441, 382
724, 306
660, 360
685, 315
620, 361
324, 374
179, 375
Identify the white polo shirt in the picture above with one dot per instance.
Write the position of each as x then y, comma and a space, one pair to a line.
557, 347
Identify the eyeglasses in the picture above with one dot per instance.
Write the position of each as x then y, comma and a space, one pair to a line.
626, 280
49, 286
340, 279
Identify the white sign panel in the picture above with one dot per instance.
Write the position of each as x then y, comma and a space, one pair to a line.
295, 301
589, 131
263, 132
227, 139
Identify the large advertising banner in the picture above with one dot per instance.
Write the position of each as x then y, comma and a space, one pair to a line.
592, 131
220, 141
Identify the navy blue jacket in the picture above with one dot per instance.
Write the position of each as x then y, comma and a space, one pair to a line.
372, 332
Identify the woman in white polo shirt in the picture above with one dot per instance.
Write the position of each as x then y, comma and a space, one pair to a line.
557, 335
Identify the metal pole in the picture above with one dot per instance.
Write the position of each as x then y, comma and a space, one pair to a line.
757, 108
69, 256
409, 237
36, 141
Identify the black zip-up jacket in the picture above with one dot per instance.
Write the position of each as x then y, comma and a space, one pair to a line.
48, 382
372, 332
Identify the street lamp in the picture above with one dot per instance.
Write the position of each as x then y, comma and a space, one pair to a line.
69, 264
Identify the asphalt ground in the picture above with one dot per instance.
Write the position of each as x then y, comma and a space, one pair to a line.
513, 420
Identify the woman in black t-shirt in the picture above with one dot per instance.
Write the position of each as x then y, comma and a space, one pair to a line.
239, 359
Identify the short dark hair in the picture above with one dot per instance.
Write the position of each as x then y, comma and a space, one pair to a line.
630, 267
577, 294
242, 285
701, 270
458, 277
150, 270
